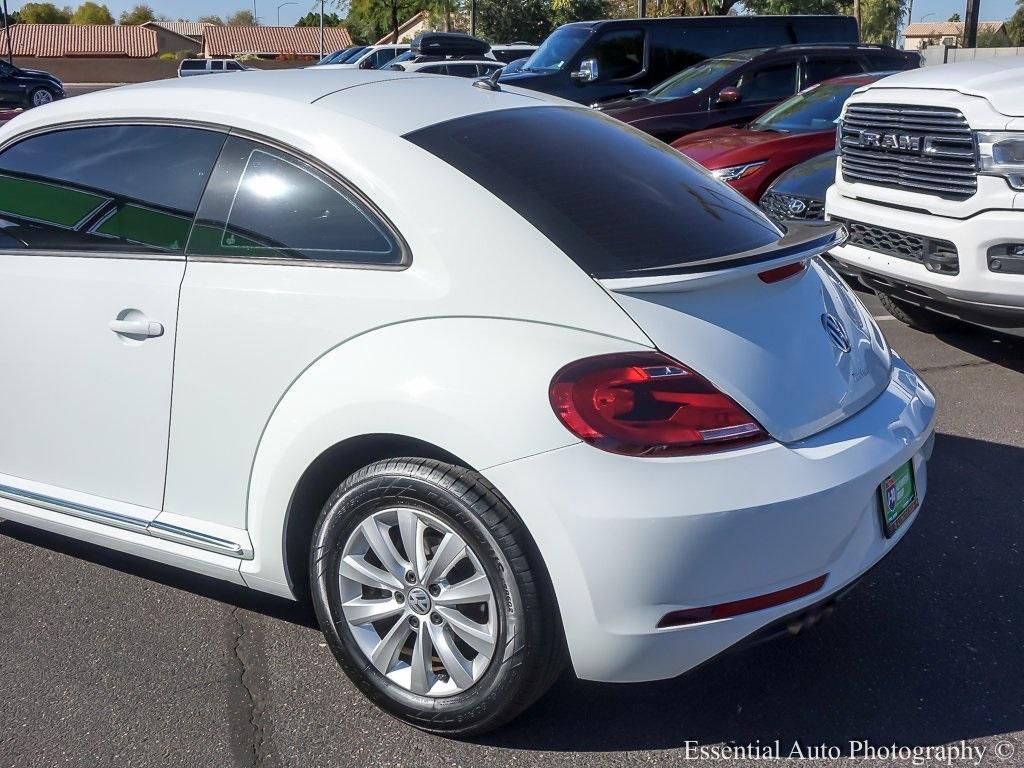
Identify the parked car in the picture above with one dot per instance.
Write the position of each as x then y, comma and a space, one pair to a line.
341, 55
27, 87
596, 61
481, 430
370, 57
930, 179
449, 53
798, 195
749, 157
192, 67
509, 52
735, 88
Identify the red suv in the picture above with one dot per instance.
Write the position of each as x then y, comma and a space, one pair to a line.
737, 87
750, 157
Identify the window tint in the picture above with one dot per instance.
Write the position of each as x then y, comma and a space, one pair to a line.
106, 188
619, 54
234, 65
5, 69
769, 83
262, 203
217, 65
816, 70
613, 199
463, 70
437, 69
883, 62
193, 64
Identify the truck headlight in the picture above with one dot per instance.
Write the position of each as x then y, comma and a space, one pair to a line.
1001, 153
736, 172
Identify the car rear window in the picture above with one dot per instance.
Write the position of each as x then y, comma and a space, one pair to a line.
615, 200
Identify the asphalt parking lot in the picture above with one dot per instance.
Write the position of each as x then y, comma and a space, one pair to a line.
109, 660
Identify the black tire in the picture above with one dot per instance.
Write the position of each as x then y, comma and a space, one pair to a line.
37, 93
918, 318
529, 629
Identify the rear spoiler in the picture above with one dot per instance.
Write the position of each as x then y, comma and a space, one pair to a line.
801, 241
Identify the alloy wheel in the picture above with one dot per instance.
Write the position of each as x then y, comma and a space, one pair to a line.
418, 602
40, 97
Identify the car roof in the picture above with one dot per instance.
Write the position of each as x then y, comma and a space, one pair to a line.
752, 53
862, 78
393, 101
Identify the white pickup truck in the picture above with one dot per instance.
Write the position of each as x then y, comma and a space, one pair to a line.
930, 185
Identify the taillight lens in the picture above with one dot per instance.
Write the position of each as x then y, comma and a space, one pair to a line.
647, 404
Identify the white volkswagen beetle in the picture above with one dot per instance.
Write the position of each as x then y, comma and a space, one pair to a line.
497, 380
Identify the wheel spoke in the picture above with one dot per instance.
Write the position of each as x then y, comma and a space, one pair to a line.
475, 589
412, 530
448, 551
457, 667
383, 548
422, 677
359, 610
479, 637
355, 568
384, 655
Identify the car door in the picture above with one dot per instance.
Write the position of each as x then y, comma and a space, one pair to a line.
621, 61
761, 87
93, 226
11, 91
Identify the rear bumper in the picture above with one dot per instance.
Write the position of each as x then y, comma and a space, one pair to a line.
628, 540
976, 294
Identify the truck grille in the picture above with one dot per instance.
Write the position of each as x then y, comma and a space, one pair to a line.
937, 255
790, 207
929, 150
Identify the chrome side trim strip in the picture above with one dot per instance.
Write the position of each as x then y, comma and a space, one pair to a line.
155, 528
83, 511
191, 538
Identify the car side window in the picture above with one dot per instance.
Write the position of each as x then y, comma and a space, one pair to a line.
619, 54
263, 203
131, 188
5, 69
772, 82
463, 70
437, 69
217, 66
821, 68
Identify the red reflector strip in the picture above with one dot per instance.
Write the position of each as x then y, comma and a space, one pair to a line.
781, 273
735, 608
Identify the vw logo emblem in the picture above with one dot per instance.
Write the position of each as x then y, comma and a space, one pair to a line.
836, 332
797, 206
419, 600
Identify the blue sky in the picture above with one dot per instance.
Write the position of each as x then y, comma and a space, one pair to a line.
267, 9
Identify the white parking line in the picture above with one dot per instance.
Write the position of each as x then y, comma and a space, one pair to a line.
883, 317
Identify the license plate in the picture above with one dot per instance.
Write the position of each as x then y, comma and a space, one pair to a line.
899, 498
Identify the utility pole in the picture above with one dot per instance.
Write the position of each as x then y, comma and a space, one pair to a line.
322, 51
641, 9
472, 17
7, 33
971, 24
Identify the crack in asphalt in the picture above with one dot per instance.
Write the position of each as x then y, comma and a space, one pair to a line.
245, 677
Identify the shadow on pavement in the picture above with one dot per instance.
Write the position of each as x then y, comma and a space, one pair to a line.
205, 586
926, 650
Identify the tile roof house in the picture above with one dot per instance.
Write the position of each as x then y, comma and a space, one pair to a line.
271, 41
174, 36
924, 33
61, 40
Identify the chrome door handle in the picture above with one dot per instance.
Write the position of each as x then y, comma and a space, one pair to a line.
147, 328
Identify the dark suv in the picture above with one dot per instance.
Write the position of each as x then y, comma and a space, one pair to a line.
27, 87
737, 87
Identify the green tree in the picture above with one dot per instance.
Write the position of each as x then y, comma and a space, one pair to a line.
880, 20
211, 19
991, 39
243, 18
507, 20
92, 13
312, 19
140, 14
44, 13
954, 17
1015, 25
566, 11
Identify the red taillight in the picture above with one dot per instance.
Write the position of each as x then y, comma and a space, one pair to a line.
781, 273
647, 404
737, 607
